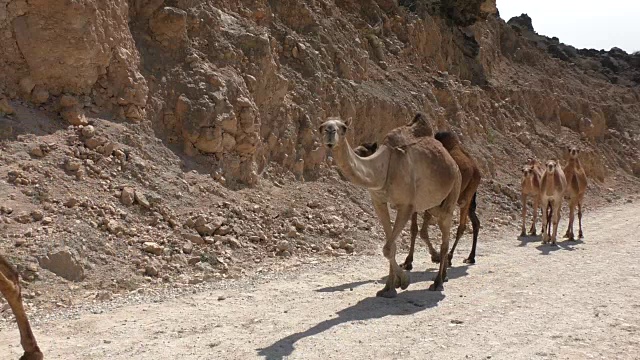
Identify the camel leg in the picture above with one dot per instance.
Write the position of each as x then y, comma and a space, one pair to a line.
545, 221
464, 215
524, 215
424, 234
10, 289
408, 262
580, 235
475, 224
572, 207
444, 222
556, 220
396, 275
536, 206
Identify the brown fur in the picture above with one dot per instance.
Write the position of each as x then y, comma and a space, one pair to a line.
552, 188
10, 289
576, 188
413, 174
471, 177
531, 177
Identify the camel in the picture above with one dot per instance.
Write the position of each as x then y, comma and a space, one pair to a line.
10, 289
552, 187
576, 188
413, 174
531, 176
471, 177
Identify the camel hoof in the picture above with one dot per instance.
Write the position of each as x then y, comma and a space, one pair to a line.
580, 236
436, 287
523, 233
32, 356
469, 261
387, 293
435, 259
407, 266
404, 280
533, 232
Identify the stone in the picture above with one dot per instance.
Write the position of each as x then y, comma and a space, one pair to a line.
151, 270
127, 196
194, 238
71, 202
74, 115
152, 248
26, 85
88, 131
37, 151
6, 108
68, 101
64, 263
93, 142
187, 248
283, 245
46, 220
142, 200
232, 242
40, 96
72, 165
37, 215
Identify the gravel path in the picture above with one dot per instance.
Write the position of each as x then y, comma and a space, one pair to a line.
521, 301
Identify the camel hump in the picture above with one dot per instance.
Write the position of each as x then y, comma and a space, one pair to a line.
420, 125
409, 134
449, 139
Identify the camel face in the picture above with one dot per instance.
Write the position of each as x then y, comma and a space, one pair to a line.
551, 166
573, 152
332, 131
527, 171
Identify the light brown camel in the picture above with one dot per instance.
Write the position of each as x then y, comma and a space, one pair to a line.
531, 177
576, 188
413, 174
10, 289
552, 188
471, 177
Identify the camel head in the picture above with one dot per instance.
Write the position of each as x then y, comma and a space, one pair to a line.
551, 165
449, 139
527, 171
334, 131
366, 149
573, 152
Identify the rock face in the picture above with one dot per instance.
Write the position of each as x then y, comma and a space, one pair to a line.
241, 85
64, 263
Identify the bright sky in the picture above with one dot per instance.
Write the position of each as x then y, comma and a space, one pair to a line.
588, 24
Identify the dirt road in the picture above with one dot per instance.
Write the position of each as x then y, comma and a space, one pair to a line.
521, 301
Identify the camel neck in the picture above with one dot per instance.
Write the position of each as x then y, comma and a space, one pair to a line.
369, 172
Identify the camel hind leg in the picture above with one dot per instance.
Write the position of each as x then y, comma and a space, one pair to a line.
424, 234
523, 198
10, 289
536, 208
475, 225
572, 207
580, 235
464, 215
408, 262
445, 220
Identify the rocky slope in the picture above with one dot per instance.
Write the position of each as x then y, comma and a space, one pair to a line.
203, 159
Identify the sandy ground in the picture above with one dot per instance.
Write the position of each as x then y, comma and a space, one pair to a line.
521, 300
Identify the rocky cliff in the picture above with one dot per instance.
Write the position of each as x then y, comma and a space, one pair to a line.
245, 83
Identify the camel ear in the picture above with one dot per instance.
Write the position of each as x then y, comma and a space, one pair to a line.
349, 122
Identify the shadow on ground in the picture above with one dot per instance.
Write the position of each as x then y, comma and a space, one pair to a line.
406, 303
415, 276
546, 249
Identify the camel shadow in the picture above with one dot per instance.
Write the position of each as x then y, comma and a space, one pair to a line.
525, 240
406, 303
546, 249
415, 276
